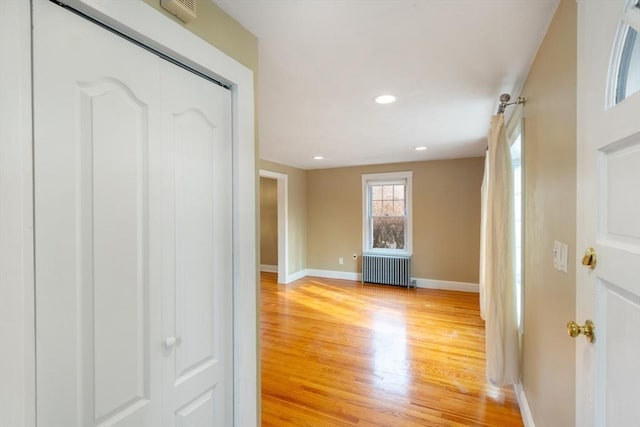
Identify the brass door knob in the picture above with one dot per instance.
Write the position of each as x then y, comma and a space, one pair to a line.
589, 259
573, 329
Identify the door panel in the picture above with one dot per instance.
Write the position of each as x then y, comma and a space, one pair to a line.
97, 312
619, 166
132, 199
198, 412
194, 243
619, 311
608, 370
198, 121
113, 214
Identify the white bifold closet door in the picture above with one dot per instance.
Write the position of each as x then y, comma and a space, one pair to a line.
133, 203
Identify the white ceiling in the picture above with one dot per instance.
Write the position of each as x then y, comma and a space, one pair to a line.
447, 61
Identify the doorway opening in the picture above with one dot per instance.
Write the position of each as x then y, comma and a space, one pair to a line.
282, 222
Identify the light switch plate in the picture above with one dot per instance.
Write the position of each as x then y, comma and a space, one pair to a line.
560, 256
564, 254
556, 254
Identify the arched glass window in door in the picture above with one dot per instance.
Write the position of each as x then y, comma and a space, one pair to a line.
628, 73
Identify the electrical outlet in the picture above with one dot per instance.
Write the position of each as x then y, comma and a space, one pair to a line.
340, 260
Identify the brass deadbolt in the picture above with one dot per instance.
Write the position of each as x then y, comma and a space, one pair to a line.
589, 259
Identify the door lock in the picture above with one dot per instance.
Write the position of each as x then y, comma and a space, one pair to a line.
589, 259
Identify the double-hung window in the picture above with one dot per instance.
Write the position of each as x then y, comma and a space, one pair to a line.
387, 213
516, 163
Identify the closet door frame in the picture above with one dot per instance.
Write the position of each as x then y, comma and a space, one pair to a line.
147, 26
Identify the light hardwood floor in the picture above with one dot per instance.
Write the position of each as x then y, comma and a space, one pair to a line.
337, 353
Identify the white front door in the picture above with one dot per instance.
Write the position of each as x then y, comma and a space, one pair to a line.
608, 370
133, 247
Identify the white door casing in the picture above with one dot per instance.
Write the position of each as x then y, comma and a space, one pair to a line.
608, 215
17, 367
282, 181
119, 114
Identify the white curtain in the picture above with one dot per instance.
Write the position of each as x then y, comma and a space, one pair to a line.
497, 260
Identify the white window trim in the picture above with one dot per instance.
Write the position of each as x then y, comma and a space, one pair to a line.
515, 128
381, 178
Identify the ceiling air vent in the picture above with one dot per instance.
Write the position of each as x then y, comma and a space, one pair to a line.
185, 10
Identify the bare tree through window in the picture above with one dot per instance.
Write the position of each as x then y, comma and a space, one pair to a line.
388, 211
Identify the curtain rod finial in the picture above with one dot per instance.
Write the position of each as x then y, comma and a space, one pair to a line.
504, 102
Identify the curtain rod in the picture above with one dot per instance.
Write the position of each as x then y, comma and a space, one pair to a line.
504, 102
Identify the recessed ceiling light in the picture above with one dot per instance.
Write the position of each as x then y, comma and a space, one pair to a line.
421, 148
385, 99
318, 157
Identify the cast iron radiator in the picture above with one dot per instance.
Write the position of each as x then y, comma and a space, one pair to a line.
387, 270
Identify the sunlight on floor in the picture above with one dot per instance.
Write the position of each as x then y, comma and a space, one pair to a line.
390, 355
338, 304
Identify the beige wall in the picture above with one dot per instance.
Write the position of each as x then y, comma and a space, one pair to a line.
268, 221
296, 213
550, 192
446, 217
222, 31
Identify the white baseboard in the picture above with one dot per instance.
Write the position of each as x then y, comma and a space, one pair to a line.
269, 268
420, 283
332, 274
525, 411
446, 285
295, 276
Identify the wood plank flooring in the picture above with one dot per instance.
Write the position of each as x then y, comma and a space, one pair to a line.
337, 353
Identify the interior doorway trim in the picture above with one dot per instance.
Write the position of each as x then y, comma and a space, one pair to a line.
283, 222
17, 308
149, 27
